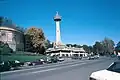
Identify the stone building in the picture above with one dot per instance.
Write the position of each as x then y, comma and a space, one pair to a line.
11, 34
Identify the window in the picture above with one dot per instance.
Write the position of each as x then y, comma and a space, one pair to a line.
10, 37
115, 67
3, 33
63, 55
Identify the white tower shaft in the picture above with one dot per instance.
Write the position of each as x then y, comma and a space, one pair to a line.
58, 37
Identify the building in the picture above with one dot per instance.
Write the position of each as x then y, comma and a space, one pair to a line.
11, 34
67, 51
61, 49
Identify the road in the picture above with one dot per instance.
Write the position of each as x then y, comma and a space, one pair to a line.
79, 70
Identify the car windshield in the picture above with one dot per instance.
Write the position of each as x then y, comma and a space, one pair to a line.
115, 67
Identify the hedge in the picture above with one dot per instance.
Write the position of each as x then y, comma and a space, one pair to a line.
21, 57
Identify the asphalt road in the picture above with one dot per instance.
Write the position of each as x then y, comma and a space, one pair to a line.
79, 70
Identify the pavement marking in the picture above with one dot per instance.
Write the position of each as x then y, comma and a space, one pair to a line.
56, 68
57, 65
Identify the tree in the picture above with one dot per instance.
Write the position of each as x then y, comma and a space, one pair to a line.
1, 20
98, 48
52, 45
47, 44
28, 43
117, 48
118, 44
35, 40
68, 45
78, 46
73, 45
86, 48
108, 46
90, 49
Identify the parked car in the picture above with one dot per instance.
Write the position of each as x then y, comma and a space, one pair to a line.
112, 73
15, 63
42, 60
54, 59
37, 62
49, 60
118, 57
61, 59
76, 57
5, 66
96, 56
91, 57
80, 58
29, 64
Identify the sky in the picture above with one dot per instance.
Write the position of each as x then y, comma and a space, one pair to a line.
83, 21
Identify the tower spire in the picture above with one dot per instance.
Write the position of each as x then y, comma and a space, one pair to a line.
57, 13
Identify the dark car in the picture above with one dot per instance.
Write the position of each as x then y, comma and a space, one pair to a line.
5, 66
118, 56
37, 62
13, 64
76, 57
54, 59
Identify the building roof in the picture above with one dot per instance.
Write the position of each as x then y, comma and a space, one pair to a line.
7, 24
66, 49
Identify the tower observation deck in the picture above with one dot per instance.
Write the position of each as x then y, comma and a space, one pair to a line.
57, 17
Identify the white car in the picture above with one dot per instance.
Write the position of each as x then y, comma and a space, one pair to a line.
96, 56
91, 57
61, 59
112, 73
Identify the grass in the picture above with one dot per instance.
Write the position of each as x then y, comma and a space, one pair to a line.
21, 57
